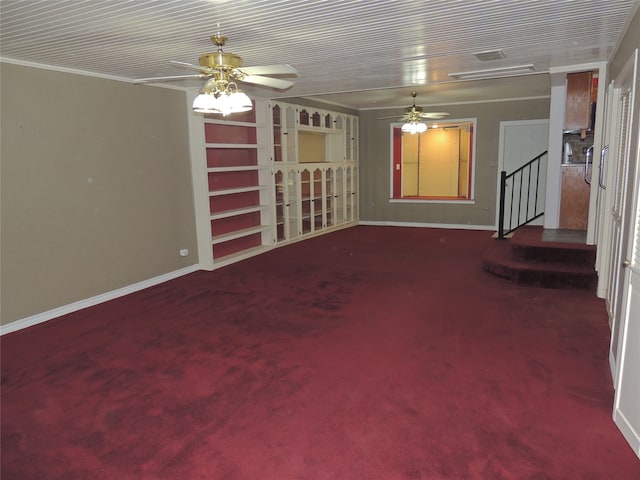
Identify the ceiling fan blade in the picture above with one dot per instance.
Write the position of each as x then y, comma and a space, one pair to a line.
276, 83
186, 66
435, 115
168, 79
269, 70
387, 118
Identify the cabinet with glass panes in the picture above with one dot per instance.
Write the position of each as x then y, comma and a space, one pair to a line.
314, 153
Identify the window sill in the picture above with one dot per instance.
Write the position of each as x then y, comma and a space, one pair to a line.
433, 200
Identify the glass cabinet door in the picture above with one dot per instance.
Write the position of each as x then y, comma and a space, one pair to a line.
316, 203
304, 117
280, 187
276, 122
354, 138
306, 196
316, 119
289, 134
339, 195
338, 122
327, 195
354, 192
328, 120
347, 137
348, 213
292, 205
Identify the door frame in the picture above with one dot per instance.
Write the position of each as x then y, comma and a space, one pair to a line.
503, 132
625, 369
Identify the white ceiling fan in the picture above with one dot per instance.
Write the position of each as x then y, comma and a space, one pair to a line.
227, 67
220, 94
415, 114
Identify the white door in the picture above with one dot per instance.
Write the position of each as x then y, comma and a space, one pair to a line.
626, 412
605, 200
520, 142
621, 201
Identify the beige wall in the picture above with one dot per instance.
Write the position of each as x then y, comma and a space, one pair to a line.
375, 156
95, 189
629, 42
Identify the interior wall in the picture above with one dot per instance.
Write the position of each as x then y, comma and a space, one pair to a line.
375, 155
95, 190
629, 42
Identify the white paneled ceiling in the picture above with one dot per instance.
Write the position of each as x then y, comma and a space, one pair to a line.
358, 53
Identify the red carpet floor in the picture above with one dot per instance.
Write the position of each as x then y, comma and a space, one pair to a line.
369, 353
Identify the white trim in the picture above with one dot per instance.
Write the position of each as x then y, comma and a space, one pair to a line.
554, 151
596, 160
627, 430
471, 200
581, 67
199, 182
451, 226
88, 74
418, 200
503, 126
90, 302
498, 72
430, 105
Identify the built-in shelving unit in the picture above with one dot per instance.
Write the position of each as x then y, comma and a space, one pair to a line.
276, 174
315, 176
238, 186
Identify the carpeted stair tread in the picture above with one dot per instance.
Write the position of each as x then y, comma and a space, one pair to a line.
525, 259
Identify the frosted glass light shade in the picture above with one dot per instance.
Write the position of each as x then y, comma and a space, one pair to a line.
225, 103
414, 127
205, 103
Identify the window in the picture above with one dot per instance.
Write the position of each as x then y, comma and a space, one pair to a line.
434, 165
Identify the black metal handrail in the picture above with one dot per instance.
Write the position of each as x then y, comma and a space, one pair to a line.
516, 181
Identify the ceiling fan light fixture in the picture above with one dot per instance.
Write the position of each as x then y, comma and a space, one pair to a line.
221, 96
414, 127
234, 102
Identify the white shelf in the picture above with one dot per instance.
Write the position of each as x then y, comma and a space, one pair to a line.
235, 257
233, 145
238, 211
246, 168
221, 121
225, 237
231, 191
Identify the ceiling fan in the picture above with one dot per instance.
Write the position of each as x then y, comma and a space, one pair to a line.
415, 114
227, 68
223, 70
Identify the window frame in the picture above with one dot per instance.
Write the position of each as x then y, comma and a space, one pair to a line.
444, 200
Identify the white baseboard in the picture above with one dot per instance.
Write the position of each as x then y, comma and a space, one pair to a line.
89, 302
629, 433
429, 225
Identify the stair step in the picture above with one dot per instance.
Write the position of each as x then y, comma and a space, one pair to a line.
551, 253
526, 260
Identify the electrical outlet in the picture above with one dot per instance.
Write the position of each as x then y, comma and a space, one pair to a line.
184, 252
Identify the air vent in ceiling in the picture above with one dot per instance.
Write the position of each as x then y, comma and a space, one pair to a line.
490, 55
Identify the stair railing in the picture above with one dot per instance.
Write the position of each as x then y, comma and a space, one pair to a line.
522, 186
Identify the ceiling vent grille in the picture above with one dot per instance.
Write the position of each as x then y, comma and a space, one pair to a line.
490, 55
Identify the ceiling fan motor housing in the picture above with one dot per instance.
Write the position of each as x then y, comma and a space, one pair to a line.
413, 109
220, 60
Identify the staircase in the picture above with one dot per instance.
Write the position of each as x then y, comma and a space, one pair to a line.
526, 259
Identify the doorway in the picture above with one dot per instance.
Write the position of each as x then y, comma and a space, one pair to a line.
521, 141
